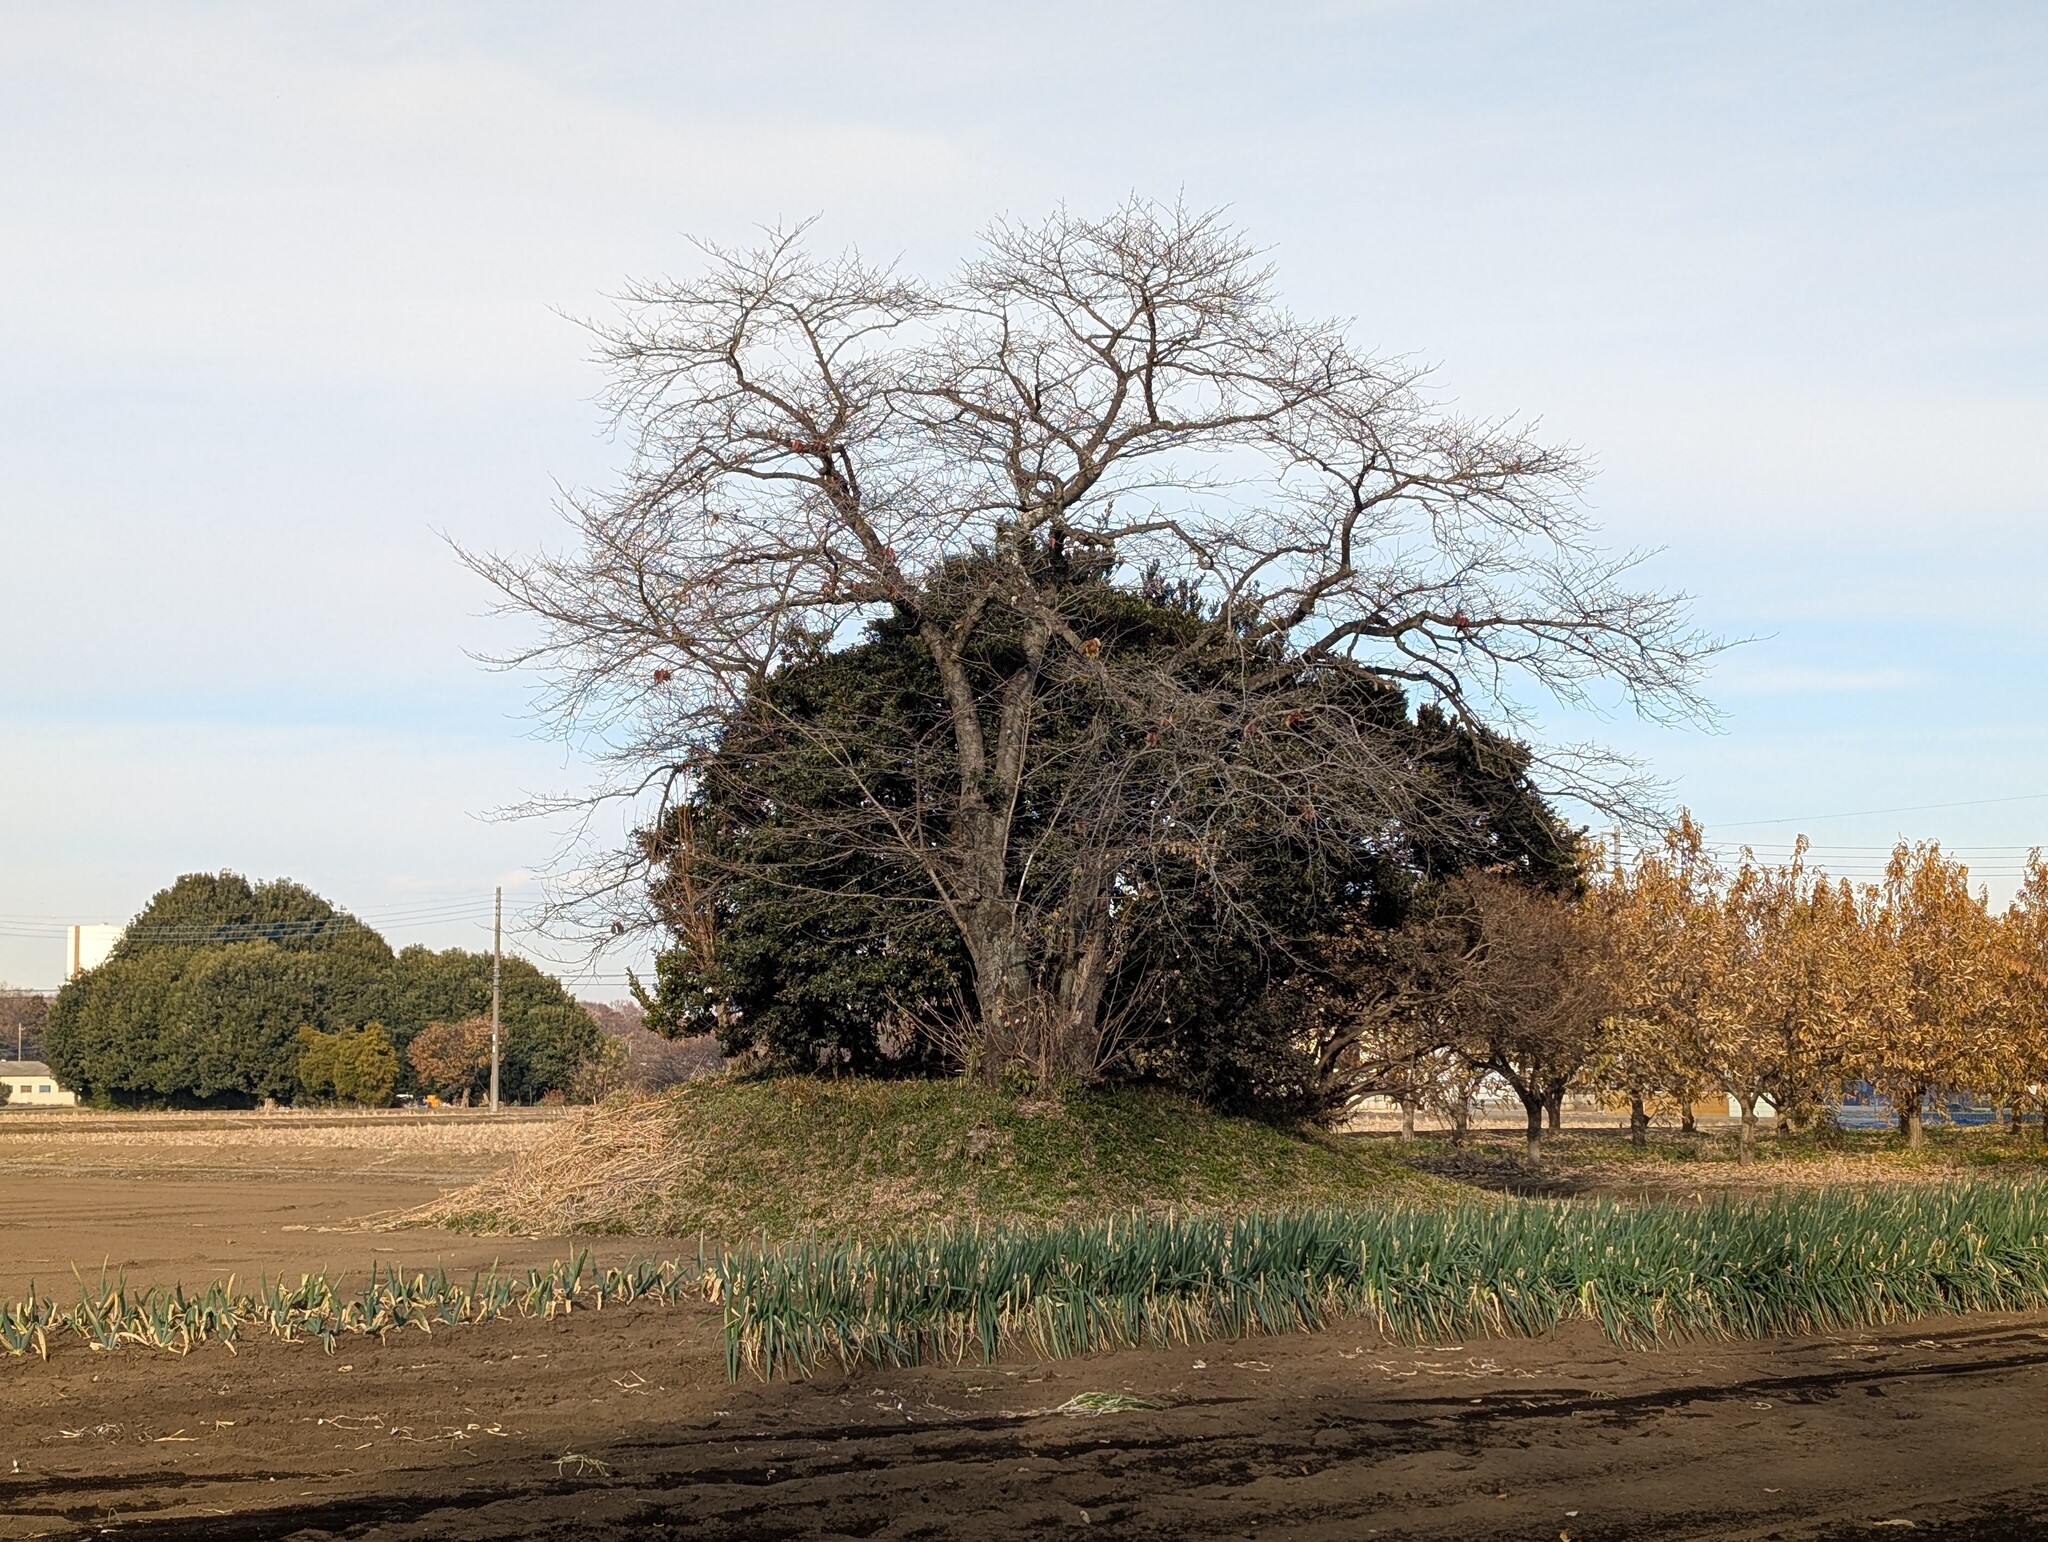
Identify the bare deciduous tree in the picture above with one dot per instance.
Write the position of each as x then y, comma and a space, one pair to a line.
819, 443
1377, 1014
23, 1015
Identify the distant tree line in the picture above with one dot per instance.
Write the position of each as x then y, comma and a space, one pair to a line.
223, 992
1673, 980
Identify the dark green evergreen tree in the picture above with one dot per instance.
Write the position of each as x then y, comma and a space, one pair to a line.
828, 949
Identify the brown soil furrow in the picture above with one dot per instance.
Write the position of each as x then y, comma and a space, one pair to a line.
1940, 1424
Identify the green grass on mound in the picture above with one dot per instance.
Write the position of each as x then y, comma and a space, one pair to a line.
737, 1159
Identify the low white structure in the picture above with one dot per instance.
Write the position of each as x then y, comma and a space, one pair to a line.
30, 1085
88, 947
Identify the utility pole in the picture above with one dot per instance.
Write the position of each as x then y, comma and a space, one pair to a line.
497, 982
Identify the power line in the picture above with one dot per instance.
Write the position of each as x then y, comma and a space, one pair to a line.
427, 914
454, 909
1911, 808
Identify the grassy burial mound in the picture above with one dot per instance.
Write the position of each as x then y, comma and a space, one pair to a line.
733, 1159
1817, 1261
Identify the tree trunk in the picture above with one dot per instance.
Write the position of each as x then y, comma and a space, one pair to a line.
1916, 1132
1461, 1120
1013, 1026
1534, 1105
1553, 1108
1685, 1119
1745, 1147
1638, 1122
1407, 1118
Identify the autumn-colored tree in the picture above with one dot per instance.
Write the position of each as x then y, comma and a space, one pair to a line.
1662, 953
1929, 982
2019, 1044
1532, 1007
451, 1059
23, 1015
1784, 1003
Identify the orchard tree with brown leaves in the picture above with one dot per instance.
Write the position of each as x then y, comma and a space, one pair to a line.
1785, 1004
1928, 983
1662, 955
1532, 1006
2019, 1047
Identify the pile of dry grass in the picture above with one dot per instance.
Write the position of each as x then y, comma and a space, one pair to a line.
614, 1158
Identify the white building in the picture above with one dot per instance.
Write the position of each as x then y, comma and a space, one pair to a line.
88, 947
30, 1085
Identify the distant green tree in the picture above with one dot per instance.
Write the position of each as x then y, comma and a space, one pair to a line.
357, 1067
546, 1033
203, 1000
235, 1013
203, 997
207, 909
115, 1034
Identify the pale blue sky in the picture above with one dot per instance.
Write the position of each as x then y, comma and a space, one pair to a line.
279, 296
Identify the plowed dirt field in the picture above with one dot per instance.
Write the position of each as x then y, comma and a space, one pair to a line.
622, 1423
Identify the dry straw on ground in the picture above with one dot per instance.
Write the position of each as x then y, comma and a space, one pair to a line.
607, 1160
183, 1143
